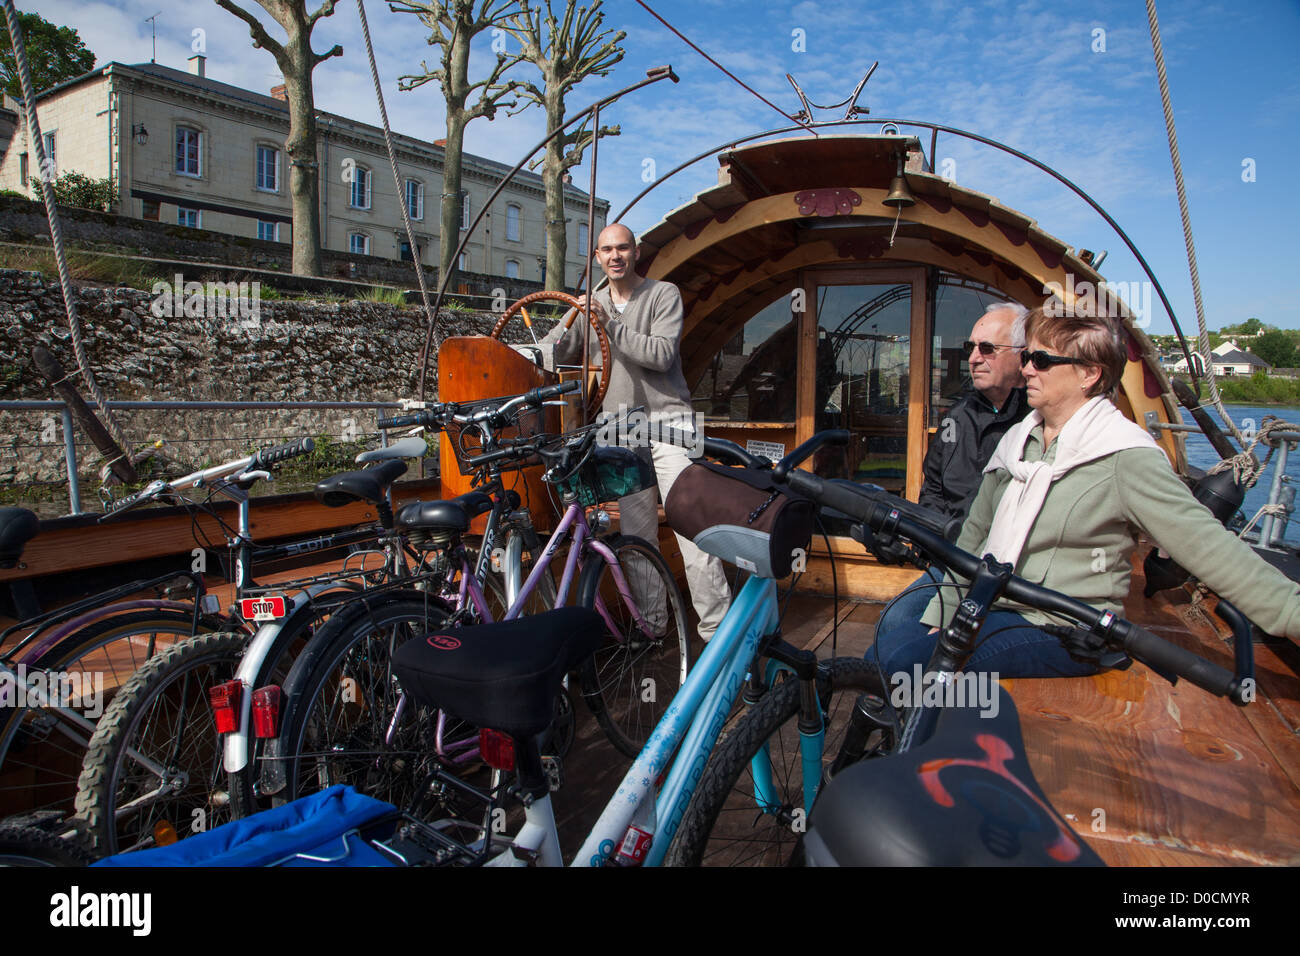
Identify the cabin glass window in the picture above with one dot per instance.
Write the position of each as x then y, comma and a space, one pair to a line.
752, 377
958, 305
862, 379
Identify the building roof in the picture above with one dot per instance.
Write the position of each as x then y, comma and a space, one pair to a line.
1238, 357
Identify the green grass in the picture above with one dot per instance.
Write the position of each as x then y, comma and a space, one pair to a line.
1260, 389
383, 294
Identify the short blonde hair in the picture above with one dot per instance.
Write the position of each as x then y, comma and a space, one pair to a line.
1094, 339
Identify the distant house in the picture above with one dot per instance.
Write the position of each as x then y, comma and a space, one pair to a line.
1229, 360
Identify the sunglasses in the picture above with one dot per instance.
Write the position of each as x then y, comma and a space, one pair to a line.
1045, 360
986, 348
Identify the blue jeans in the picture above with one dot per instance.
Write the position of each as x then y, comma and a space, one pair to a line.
1008, 645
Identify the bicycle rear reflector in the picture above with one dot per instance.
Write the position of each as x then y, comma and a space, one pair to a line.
225, 699
498, 749
266, 711
164, 834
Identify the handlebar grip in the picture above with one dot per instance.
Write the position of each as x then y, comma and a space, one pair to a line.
487, 458
279, 453
1160, 655
547, 392
730, 451
401, 421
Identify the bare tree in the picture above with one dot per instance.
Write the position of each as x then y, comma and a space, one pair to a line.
296, 61
566, 51
452, 27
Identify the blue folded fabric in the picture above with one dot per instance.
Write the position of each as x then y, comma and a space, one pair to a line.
315, 826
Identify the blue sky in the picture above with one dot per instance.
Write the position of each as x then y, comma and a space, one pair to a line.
1024, 73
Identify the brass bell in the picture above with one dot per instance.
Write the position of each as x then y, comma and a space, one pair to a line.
900, 194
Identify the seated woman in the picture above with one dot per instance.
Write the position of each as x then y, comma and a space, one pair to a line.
1063, 500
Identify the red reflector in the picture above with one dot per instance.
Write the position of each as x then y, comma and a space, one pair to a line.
266, 711
225, 699
498, 749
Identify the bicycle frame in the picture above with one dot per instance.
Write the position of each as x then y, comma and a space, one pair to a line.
694, 720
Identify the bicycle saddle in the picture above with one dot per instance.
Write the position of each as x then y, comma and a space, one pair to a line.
17, 527
966, 797
368, 484
503, 675
451, 514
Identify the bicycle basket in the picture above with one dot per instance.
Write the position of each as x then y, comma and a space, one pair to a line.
741, 516
610, 472
466, 443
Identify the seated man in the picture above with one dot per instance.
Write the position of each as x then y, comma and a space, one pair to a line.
973, 427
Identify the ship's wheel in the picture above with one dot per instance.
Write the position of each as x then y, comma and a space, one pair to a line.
520, 308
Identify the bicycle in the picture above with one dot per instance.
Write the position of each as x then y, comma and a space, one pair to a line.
757, 794
151, 769
387, 744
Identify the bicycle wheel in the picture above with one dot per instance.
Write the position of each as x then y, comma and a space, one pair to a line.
630, 680
162, 714
723, 825
344, 726
29, 846
41, 750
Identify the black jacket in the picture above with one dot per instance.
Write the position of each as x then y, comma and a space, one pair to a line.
967, 436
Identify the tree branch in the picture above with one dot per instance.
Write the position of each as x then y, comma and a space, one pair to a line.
326, 10
258, 32
316, 58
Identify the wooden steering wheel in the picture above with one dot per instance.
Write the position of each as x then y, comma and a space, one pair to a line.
520, 308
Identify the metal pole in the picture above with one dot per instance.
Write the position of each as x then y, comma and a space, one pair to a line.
70, 459
1268, 523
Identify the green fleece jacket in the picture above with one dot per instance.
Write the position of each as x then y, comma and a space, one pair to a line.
1081, 542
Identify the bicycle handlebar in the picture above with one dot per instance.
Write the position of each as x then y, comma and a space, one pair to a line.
279, 453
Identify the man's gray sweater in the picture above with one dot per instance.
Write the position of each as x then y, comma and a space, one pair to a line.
645, 345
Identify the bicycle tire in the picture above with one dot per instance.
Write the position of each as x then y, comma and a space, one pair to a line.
41, 756
341, 702
614, 678
722, 824
30, 846
162, 713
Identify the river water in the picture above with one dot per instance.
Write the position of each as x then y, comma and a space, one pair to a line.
1201, 455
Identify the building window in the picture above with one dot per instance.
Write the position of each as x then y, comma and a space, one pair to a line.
187, 151
268, 168
150, 209
404, 250
415, 199
464, 209
463, 264
359, 244
360, 198
270, 231
512, 269
188, 217
22, 169
51, 163
512, 223
584, 243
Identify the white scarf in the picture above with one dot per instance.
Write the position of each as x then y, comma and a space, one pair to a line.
1096, 430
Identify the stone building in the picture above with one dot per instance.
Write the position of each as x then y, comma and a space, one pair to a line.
188, 150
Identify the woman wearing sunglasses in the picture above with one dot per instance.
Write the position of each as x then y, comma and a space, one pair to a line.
1063, 500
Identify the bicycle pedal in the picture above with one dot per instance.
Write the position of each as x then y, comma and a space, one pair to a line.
554, 773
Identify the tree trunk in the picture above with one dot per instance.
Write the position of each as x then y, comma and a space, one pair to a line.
557, 240
304, 170
451, 206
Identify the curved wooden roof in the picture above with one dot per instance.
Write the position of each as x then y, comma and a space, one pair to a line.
802, 202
